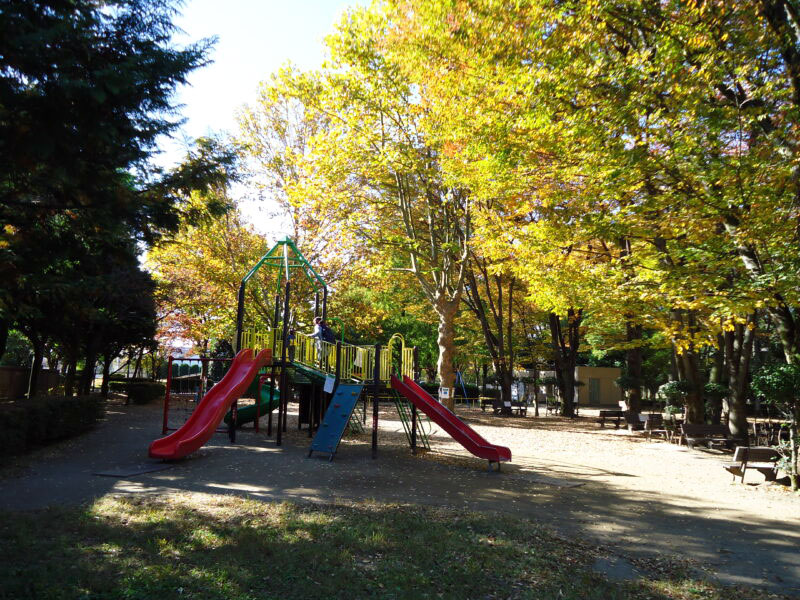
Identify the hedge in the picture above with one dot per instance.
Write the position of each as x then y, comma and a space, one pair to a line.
30, 423
139, 391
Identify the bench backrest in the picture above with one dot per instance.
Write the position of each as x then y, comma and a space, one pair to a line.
762, 454
654, 422
704, 430
610, 413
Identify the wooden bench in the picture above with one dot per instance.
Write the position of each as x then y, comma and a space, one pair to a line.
708, 435
552, 406
616, 415
486, 401
654, 424
761, 458
509, 408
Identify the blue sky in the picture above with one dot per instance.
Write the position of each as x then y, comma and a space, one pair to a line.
255, 39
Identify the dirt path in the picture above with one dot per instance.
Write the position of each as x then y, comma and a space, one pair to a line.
640, 498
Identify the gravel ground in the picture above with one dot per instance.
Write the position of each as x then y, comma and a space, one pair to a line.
642, 500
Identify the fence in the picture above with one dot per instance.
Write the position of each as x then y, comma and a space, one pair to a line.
354, 362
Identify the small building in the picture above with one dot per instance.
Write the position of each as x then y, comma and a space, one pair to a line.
599, 386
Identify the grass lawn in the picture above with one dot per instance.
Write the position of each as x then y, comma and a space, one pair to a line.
205, 546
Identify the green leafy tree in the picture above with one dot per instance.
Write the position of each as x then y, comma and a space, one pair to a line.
86, 89
780, 387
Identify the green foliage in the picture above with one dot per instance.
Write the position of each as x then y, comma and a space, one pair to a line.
41, 420
18, 350
674, 392
140, 391
87, 92
715, 391
627, 382
779, 384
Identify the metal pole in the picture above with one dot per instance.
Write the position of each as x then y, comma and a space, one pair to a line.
166, 396
413, 428
271, 398
283, 400
325, 303
316, 304
258, 399
203, 376
338, 372
239, 317
312, 409
375, 388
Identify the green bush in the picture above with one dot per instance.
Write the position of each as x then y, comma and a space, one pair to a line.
144, 392
30, 423
139, 391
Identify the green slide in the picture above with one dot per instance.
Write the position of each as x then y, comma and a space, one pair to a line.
248, 413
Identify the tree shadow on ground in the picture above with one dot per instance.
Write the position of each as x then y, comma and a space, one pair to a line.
753, 549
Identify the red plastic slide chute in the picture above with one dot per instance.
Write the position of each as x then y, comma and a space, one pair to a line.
442, 416
212, 408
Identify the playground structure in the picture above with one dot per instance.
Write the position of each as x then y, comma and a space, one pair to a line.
329, 378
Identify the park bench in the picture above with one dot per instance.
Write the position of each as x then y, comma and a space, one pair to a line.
655, 425
615, 415
509, 408
486, 401
708, 435
760, 458
552, 406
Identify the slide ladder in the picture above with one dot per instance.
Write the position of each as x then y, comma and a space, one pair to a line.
404, 410
447, 420
330, 431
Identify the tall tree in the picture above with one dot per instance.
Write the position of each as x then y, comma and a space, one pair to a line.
373, 168
86, 89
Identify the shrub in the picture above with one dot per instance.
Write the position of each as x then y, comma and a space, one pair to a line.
139, 391
144, 392
45, 419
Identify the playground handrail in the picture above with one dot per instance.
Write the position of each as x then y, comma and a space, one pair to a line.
356, 362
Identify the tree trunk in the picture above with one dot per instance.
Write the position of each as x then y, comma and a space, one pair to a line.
717, 376
446, 310
107, 360
3, 336
738, 352
69, 379
138, 362
674, 371
36, 366
793, 443
781, 315
496, 326
689, 366
87, 377
633, 359
565, 353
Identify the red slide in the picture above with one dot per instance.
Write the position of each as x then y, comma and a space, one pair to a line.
442, 416
212, 408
